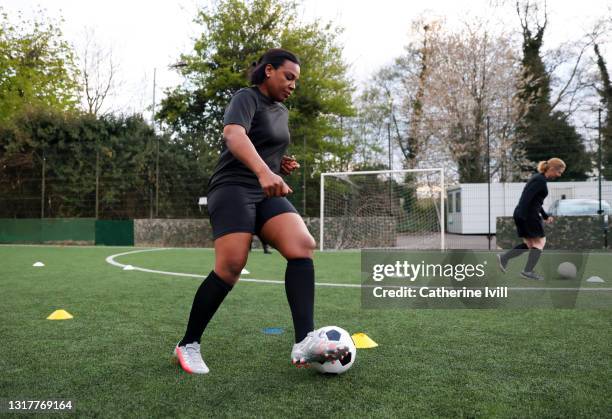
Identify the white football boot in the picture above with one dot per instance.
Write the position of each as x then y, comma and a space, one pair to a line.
316, 347
190, 359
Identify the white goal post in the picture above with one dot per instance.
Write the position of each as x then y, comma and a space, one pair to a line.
382, 209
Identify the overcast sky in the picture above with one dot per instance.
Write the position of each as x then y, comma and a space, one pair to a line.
148, 34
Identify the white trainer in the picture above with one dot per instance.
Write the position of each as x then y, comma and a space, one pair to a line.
315, 347
190, 359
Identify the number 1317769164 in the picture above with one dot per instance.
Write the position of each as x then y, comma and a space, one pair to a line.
31, 405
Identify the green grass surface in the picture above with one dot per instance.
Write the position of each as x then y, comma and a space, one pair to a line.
113, 358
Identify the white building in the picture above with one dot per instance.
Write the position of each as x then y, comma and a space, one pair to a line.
467, 203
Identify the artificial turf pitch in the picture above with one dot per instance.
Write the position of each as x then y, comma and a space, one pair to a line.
113, 358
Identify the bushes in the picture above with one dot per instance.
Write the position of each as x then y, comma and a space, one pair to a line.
63, 161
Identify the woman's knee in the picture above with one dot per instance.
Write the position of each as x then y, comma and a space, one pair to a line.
231, 254
229, 268
302, 247
308, 244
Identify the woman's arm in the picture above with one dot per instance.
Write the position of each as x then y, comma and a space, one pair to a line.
242, 148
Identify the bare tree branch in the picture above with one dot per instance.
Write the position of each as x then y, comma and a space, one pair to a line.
99, 73
571, 77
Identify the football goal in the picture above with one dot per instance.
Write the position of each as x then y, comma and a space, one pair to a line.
382, 209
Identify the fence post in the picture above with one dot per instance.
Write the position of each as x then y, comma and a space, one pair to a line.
489, 183
97, 179
42, 193
604, 218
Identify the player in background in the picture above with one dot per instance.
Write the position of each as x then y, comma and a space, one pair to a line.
246, 196
529, 218
265, 246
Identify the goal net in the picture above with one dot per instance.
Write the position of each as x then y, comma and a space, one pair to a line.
382, 209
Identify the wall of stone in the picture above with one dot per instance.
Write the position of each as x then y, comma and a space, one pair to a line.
565, 233
340, 233
355, 232
172, 233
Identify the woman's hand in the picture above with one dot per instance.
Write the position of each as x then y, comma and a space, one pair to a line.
549, 220
288, 165
273, 185
242, 148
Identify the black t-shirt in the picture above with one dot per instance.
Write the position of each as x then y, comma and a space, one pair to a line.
267, 125
532, 198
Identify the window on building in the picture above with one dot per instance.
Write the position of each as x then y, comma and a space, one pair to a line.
458, 202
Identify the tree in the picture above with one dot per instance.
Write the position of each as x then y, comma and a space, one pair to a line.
368, 131
50, 149
543, 132
605, 92
416, 69
59, 152
439, 93
236, 33
471, 73
36, 66
98, 71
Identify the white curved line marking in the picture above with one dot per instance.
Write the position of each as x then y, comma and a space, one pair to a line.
111, 260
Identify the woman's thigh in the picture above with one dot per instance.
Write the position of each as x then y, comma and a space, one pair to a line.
537, 242
289, 235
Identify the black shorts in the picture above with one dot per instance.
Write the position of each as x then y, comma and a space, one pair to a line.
239, 208
529, 228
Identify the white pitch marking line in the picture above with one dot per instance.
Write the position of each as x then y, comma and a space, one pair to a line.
111, 260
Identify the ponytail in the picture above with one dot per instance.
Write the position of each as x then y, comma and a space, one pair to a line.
556, 162
542, 166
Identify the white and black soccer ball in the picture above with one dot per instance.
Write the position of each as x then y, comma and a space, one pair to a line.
342, 338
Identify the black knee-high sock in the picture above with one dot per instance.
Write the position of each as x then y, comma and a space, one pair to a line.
299, 286
207, 300
514, 252
532, 260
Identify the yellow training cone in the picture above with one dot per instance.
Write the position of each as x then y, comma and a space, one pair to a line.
59, 315
363, 341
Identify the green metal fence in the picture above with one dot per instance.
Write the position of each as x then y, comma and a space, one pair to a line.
67, 231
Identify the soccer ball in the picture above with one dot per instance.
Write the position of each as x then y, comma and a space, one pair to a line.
342, 338
567, 270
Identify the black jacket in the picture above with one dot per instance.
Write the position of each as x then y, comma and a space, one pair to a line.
532, 198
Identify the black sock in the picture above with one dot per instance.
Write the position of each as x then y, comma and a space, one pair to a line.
514, 252
532, 260
207, 300
299, 286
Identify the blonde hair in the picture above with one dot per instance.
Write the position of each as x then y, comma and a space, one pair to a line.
555, 162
